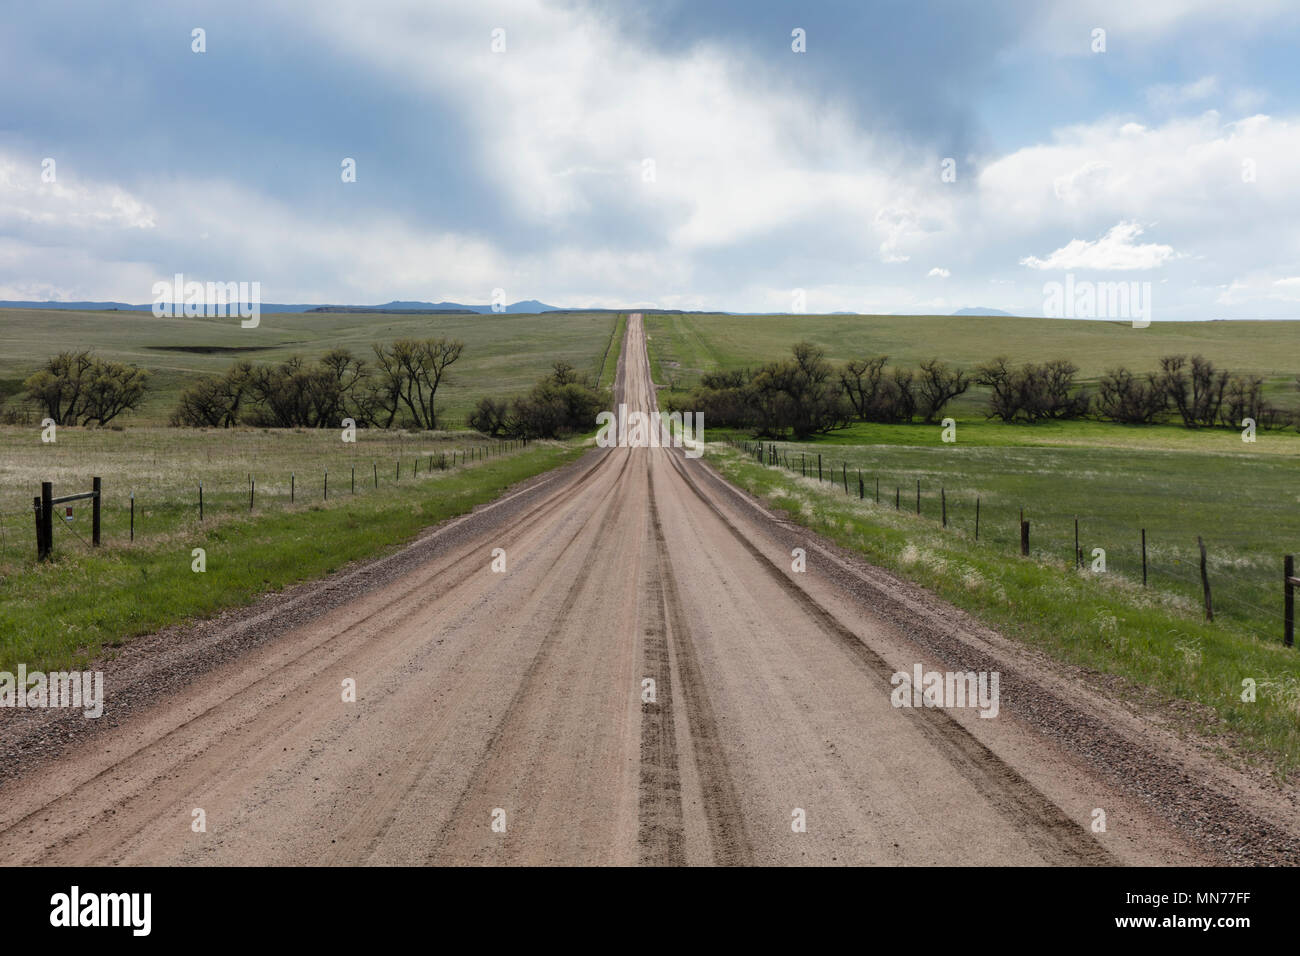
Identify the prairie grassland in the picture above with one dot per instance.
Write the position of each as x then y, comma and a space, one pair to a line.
164, 466
505, 353
65, 612
1153, 639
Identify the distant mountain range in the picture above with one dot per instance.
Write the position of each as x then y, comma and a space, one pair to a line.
528, 305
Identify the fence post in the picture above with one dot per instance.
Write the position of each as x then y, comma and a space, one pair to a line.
862, 491
97, 486
327, 484
896, 498
375, 465
252, 486
40, 531
1078, 557
877, 489
844, 473
1205, 581
918, 496
47, 517
200, 501
977, 518
1144, 557
1024, 537
1288, 612
133, 516
943, 503
292, 483
819, 467
354, 479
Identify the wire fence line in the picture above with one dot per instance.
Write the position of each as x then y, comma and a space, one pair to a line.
227, 498
1243, 584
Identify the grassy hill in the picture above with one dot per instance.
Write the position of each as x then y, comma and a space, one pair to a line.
504, 353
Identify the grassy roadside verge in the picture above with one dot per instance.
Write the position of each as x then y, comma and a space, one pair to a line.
1101, 622
66, 613
613, 350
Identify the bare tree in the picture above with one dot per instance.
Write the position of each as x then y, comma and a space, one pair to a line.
1123, 397
863, 381
937, 385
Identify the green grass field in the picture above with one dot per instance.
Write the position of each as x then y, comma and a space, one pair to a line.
64, 613
504, 353
684, 346
1241, 503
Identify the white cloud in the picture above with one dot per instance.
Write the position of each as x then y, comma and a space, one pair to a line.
70, 200
1114, 251
941, 273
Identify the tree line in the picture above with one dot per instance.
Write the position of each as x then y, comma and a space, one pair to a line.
805, 394
801, 395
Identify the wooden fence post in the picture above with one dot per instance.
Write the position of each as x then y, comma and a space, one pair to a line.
97, 486
1205, 581
133, 516
977, 518
1288, 607
1144, 557
1024, 537
40, 528
819, 468
200, 501
943, 503
292, 486
918, 496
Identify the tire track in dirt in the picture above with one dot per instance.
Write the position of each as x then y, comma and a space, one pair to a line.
362, 837
509, 719
721, 802
660, 835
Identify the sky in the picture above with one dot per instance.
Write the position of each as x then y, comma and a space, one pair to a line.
912, 157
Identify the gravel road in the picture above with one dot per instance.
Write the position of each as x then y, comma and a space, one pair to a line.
503, 716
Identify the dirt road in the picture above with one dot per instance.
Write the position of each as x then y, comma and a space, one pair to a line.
500, 714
